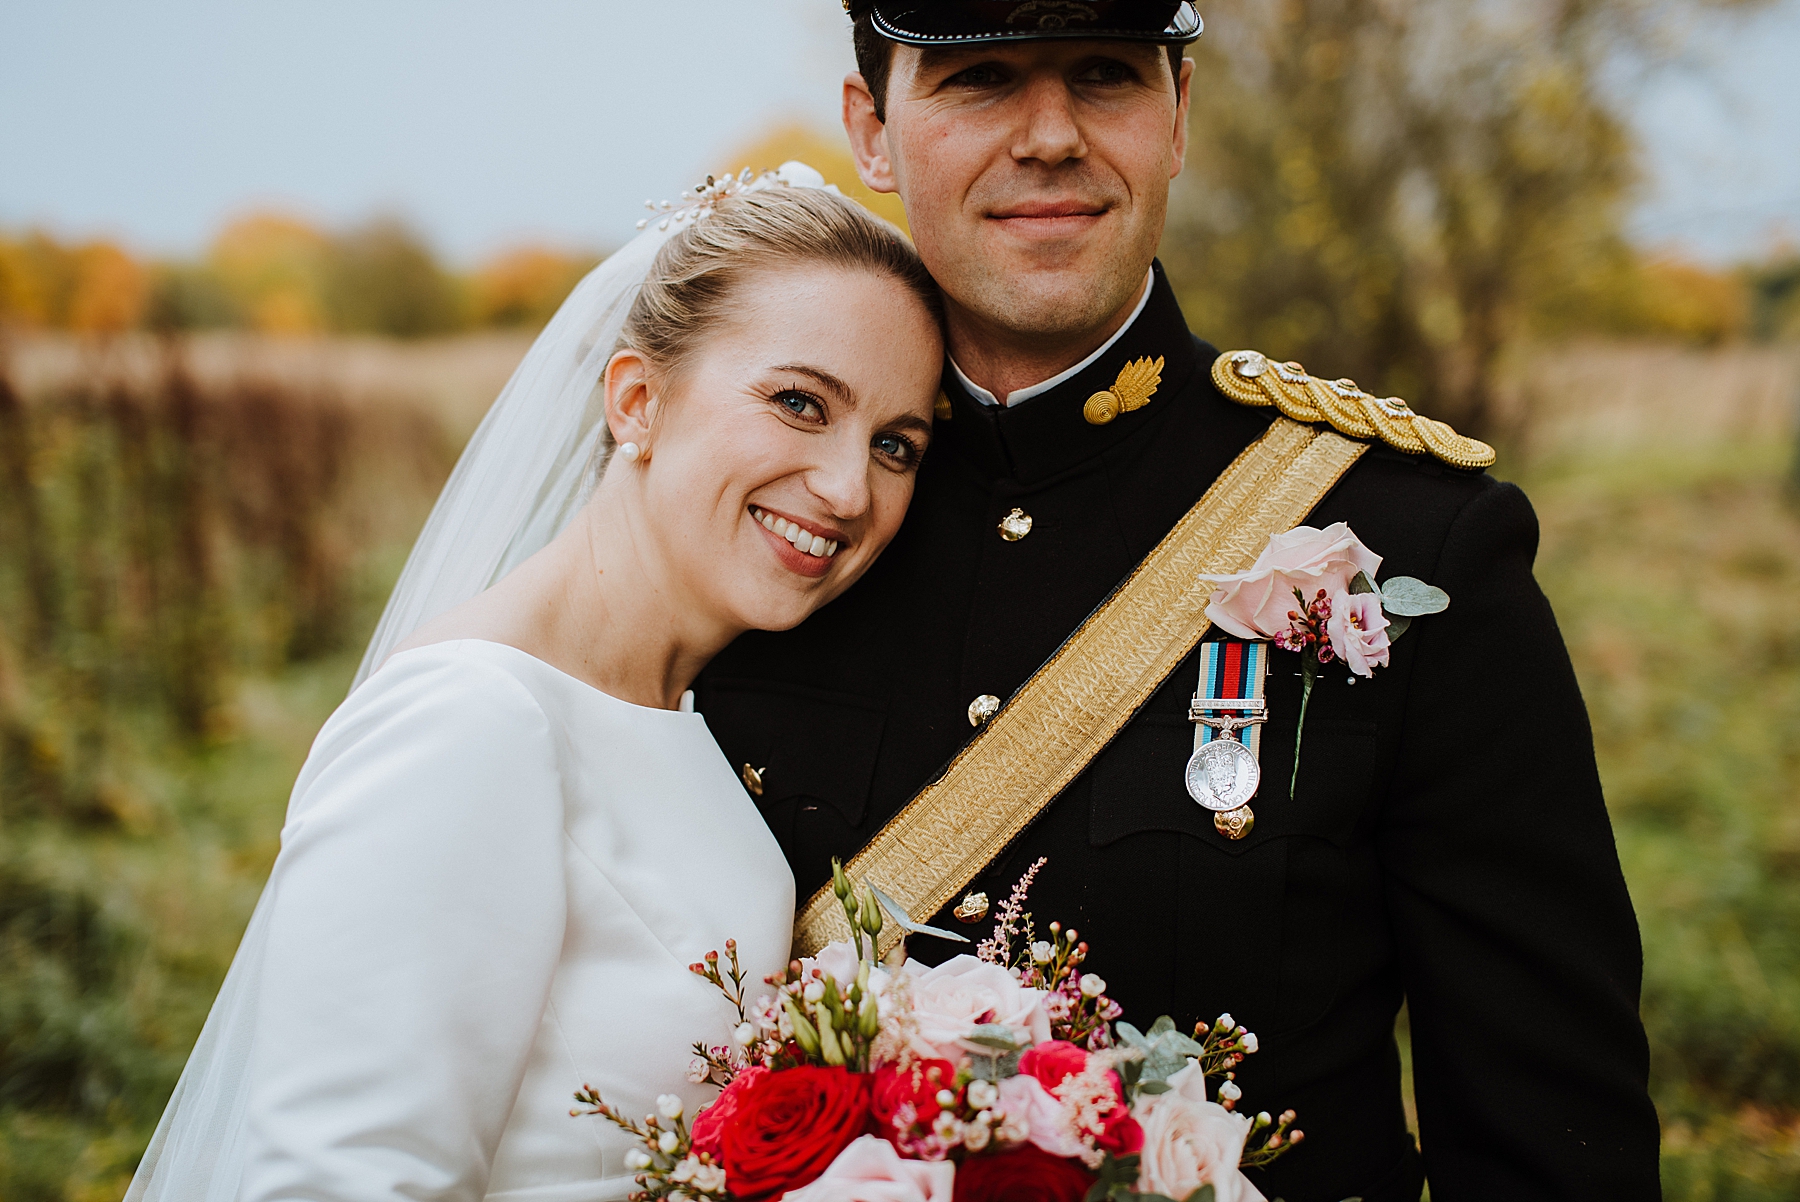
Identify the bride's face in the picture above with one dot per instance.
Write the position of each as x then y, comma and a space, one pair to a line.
779, 458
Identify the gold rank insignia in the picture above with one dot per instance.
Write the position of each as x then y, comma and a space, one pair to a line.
1252, 378
1136, 385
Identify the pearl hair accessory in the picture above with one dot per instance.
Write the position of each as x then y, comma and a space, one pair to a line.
699, 201
630, 450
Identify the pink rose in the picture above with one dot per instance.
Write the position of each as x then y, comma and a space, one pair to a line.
1053, 1062
1358, 631
962, 993
869, 1170
838, 961
1190, 1142
1027, 1103
1255, 604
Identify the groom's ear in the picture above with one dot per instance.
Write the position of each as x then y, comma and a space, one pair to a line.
868, 135
629, 403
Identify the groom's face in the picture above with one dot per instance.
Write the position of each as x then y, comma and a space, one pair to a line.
1035, 174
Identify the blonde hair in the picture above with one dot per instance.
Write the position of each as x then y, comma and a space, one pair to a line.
691, 284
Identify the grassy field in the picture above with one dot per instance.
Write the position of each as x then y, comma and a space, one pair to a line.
140, 797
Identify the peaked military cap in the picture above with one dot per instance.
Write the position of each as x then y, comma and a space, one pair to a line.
947, 22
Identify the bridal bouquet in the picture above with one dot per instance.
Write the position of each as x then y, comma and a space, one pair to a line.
1004, 1075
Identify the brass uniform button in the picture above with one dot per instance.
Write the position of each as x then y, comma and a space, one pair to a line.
983, 708
752, 778
1015, 525
972, 908
1234, 824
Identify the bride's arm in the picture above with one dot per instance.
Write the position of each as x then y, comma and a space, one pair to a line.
418, 911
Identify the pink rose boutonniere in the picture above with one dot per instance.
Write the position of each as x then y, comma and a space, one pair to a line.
1313, 592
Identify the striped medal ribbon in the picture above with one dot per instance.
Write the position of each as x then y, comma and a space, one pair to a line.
1227, 713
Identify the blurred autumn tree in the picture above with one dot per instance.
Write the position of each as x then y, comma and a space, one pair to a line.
279, 274
1397, 190
523, 287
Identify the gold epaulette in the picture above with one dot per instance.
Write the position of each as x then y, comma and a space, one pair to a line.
1252, 378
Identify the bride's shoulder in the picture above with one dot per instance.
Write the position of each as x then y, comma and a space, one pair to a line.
448, 692
448, 721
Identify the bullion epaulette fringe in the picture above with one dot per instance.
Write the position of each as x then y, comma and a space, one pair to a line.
1252, 378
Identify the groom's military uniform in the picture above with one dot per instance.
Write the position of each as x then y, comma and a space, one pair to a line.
1446, 842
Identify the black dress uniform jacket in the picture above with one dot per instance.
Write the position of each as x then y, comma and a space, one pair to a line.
1446, 843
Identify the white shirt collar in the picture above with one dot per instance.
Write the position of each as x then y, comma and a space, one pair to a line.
1025, 394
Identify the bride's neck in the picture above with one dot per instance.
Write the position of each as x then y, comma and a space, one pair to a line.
599, 605
627, 626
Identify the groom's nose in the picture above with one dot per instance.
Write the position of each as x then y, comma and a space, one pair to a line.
1048, 131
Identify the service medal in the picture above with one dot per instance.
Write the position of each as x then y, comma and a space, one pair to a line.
1222, 775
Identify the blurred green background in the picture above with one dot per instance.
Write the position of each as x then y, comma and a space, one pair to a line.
211, 468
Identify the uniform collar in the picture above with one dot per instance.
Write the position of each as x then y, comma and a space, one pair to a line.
1031, 442
1019, 396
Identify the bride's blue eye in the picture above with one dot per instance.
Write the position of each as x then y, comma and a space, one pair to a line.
896, 446
802, 406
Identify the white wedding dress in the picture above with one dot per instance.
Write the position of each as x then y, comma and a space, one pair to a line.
492, 880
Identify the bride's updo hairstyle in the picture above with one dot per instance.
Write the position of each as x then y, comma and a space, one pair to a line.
690, 287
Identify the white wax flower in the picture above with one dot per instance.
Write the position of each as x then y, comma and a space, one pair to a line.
982, 1093
637, 1160
670, 1105
745, 1034
668, 1141
1092, 985
1249, 1041
1041, 951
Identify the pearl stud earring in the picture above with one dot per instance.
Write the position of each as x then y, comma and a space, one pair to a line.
630, 450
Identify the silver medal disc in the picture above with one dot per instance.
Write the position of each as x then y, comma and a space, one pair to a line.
1222, 775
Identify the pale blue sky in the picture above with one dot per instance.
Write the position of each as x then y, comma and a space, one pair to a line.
488, 122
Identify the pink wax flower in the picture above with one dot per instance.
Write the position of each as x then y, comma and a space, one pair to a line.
1358, 631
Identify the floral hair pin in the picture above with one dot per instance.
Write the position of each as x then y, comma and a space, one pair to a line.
700, 200
1313, 592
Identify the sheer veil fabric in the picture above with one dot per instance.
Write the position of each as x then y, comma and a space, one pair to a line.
529, 467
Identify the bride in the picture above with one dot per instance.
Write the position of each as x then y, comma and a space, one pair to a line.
514, 836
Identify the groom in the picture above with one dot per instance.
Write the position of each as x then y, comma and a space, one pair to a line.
1445, 846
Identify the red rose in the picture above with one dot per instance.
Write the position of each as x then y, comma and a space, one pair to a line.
917, 1086
1056, 1061
1122, 1135
1052, 1061
709, 1124
1024, 1174
788, 1127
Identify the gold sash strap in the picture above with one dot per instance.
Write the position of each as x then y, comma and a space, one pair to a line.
1073, 706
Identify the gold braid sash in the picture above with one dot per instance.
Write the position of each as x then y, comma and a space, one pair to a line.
1072, 707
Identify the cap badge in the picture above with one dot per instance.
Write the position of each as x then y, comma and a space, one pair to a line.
1051, 14
1135, 386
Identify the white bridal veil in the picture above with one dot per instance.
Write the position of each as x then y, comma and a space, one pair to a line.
526, 471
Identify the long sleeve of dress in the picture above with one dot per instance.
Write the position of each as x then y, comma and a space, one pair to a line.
1516, 935
418, 911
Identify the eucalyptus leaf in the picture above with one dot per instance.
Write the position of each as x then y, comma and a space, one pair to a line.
1155, 1087
1397, 626
1203, 1194
1410, 598
1362, 584
1161, 1025
993, 1035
